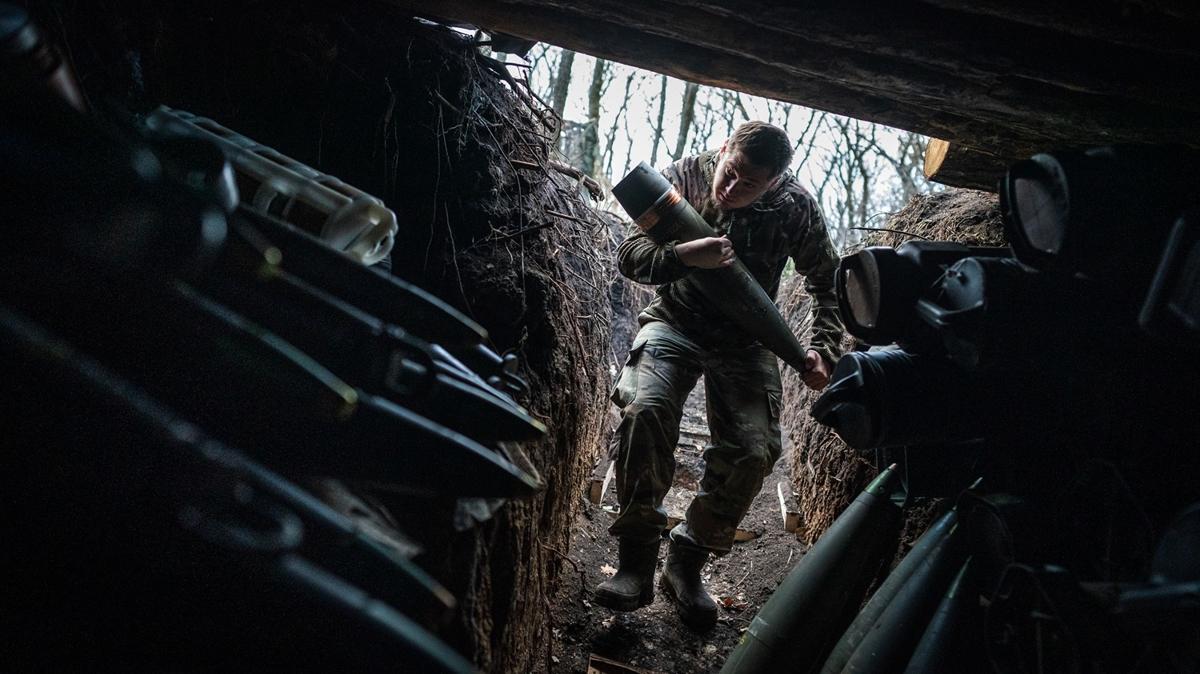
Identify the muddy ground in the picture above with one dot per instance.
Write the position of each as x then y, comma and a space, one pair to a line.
652, 639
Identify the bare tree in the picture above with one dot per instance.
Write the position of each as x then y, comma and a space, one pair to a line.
591, 132
806, 141
857, 171
853, 166
620, 114
908, 161
732, 110
538, 55
704, 125
560, 83
629, 158
687, 117
658, 125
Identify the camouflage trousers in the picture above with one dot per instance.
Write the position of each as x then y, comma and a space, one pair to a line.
743, 393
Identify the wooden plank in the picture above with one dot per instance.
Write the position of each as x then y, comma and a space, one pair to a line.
791, 518
792, 523
599, 486
608, 476
601, 665
595, 493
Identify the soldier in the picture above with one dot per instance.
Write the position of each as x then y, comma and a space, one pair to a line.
763, 216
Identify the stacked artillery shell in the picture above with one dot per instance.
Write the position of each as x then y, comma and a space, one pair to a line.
385, 297
941, 649
153, 500
891, 640
356, 346
659, 210
344, 217
796, 628
311, 380
921, 566
301, 416
173, 363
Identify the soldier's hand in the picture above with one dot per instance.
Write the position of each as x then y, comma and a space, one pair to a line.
711, 252
816, 371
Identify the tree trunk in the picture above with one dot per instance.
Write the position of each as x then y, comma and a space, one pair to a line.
612, 132
562, 82
658, 125
591, 133
687, 116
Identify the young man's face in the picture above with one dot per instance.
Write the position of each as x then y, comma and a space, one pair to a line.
738, 183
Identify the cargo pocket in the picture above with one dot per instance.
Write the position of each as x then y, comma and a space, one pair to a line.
774, 403
626, 386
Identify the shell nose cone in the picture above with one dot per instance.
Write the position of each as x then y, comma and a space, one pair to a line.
640, 189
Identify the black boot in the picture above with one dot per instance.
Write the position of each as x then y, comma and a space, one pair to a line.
632, 587
681, 581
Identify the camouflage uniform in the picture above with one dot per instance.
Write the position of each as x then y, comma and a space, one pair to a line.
683, 335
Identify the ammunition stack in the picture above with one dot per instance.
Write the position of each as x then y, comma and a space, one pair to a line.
181, 362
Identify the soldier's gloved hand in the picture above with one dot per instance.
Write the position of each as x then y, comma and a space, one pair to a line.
816, 371
711, 252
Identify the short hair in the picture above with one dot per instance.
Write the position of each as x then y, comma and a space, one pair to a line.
764, 145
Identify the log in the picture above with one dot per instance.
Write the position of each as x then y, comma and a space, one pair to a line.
978, 49
687, 62
853, 64
1168, 28
958, 165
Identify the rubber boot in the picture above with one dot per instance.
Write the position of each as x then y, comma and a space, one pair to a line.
632, 587
681, 581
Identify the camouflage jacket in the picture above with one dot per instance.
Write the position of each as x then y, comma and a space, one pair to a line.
785, 222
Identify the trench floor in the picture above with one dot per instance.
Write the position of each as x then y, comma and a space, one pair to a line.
652, 639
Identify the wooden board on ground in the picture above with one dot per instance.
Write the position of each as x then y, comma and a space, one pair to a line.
601, 665
599, 486
790, 515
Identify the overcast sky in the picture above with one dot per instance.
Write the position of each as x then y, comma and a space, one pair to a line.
643, 108
635, 135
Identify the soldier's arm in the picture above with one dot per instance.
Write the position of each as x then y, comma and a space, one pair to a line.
818, 262
641, 259
644, 260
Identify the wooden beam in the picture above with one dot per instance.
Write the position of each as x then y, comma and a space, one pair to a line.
687, 62
961, 166
995, 87
1168, 28
950, 96
963, 46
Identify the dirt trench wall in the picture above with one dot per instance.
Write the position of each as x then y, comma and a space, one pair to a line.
412, 113
627, 298
826, 474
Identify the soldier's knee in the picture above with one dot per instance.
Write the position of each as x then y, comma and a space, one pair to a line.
759, 461
762, 456
647, 408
